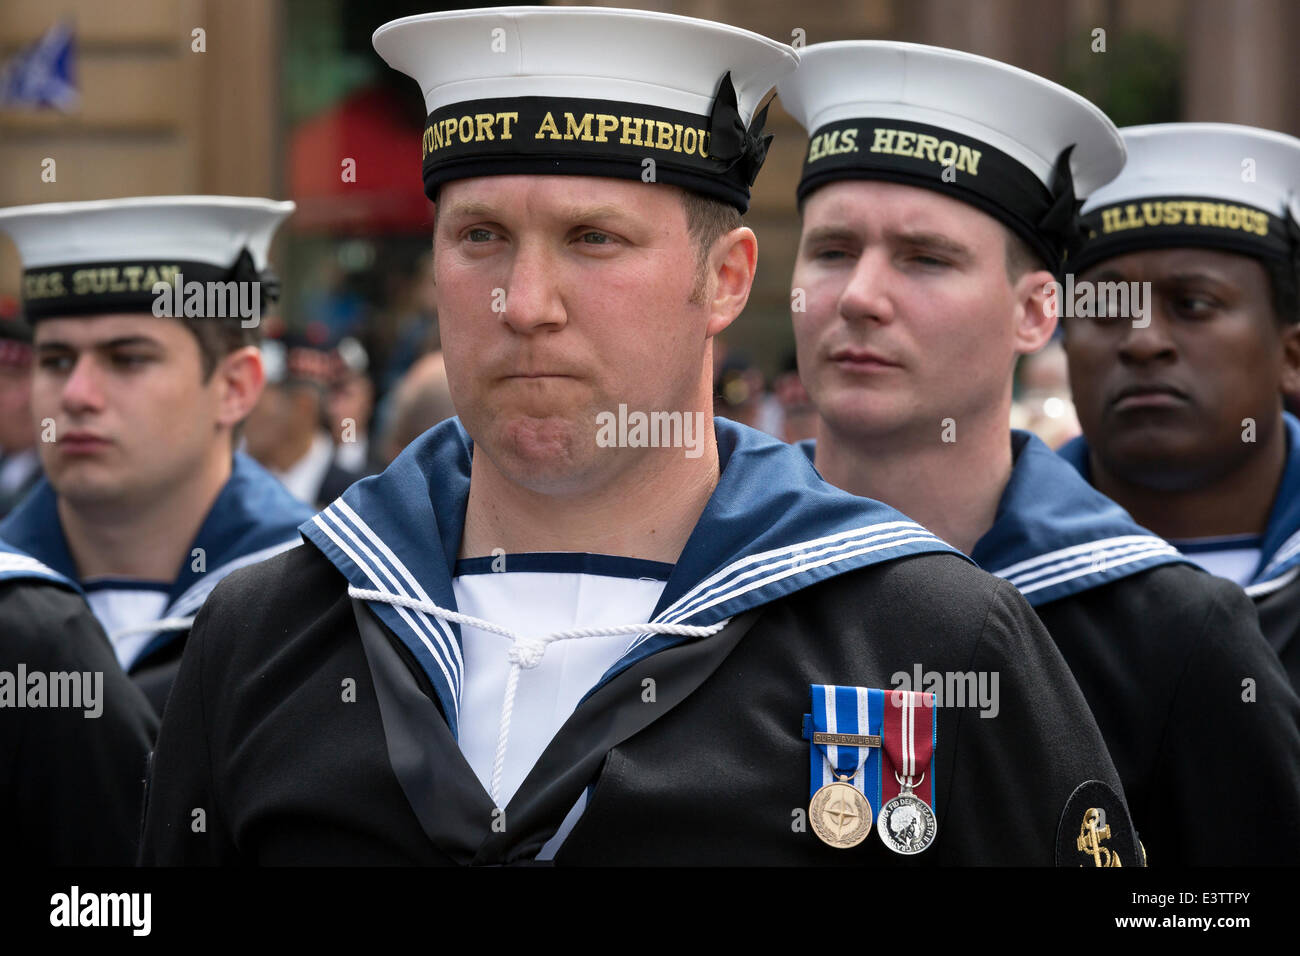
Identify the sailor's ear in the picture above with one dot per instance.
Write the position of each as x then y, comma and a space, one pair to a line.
729, 276
1035, 312
239, 378
1290, 383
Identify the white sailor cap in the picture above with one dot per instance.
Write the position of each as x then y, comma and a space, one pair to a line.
1213, 185
590, 92
1010, 143
101, 257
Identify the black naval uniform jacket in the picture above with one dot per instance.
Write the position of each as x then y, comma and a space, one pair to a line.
1196, 711
252, 517
1193, 704
71, 785
1275, 584
259, 735
1279, 619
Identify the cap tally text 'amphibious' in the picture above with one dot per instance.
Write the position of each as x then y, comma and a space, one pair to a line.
589, 91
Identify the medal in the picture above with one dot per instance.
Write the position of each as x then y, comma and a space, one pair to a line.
840, 814
907, 823
845, 767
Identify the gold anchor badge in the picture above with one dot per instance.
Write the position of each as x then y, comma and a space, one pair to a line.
1090, 837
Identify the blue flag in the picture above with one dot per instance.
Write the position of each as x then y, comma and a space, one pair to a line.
41, 76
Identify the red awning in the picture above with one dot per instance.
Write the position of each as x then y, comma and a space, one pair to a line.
387, 196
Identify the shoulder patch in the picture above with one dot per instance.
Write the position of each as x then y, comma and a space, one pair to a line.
1095, 830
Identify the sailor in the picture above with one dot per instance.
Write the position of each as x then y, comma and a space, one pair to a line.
20, 464
350, 407
146, 315
927, 262
584, 621
287, 432
1182, 413
75, 732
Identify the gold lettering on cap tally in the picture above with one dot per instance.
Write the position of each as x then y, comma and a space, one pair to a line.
942, 152
627, 130
1178, 212
833, 144
635, 130
43, 285
101, 280
467, 128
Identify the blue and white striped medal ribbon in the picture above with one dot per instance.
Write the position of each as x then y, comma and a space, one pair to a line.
844, 736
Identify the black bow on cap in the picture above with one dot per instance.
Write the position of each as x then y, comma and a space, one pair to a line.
1060, 225
245, 270
729, 140
1288, 284
1292, 233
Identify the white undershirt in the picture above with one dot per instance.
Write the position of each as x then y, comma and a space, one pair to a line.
353, 455
304, 477
121, 608
1235, 564
533, 604
17, 468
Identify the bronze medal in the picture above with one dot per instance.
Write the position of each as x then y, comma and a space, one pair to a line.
840, 814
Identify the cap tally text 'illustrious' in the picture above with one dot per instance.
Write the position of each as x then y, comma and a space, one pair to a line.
1211, 185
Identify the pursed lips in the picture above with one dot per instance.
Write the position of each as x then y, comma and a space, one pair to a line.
859, 359
80, 441
1148, 395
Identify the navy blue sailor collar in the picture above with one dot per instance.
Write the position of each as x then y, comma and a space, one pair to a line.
1055, 535
771, 527
16, 565
253, 518
1279, 557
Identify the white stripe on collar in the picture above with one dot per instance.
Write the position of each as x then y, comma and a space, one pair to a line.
795, 561
17, 564
798, 555
1276, 584
1090, 551
412, 582
444, 649
197, 593
1107, 565
1290, 547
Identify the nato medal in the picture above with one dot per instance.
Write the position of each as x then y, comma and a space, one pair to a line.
840, 814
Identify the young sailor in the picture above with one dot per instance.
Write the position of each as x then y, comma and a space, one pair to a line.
585, 622
146, 315
931, 212
74, 731
1182, 413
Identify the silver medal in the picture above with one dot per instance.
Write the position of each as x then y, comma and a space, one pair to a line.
906, 823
